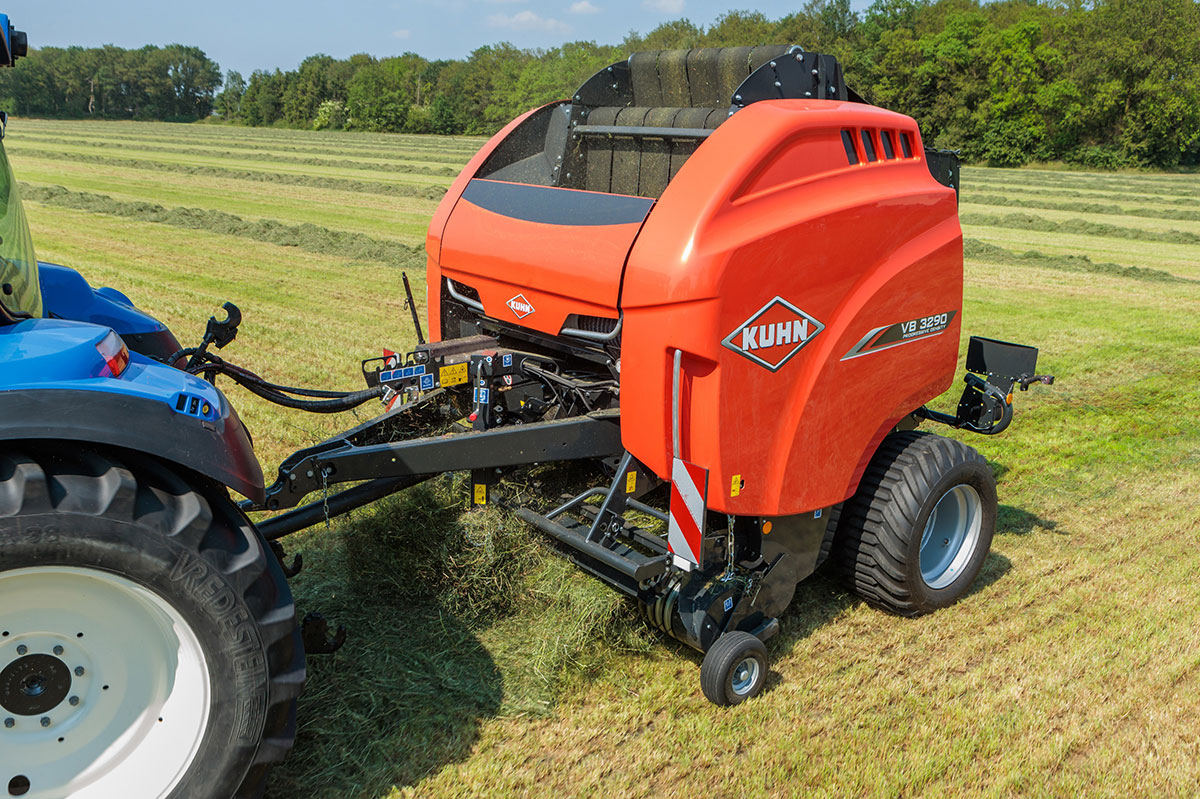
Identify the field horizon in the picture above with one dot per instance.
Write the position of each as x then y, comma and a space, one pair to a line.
480, 665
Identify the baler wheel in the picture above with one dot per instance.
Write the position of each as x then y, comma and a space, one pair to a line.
914, 536
734, 669
148, 639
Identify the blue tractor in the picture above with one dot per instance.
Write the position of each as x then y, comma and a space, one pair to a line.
148, 638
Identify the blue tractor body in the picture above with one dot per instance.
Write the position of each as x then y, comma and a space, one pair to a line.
56, 384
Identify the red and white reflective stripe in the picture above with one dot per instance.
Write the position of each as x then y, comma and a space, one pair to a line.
689, 491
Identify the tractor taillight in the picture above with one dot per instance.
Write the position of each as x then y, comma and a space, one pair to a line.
115, 354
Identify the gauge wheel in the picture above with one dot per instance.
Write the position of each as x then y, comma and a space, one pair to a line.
916, 533
148, 640
734, 668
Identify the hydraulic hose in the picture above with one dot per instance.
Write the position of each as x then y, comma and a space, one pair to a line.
321, 401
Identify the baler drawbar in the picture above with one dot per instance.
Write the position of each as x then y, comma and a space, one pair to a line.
731, 282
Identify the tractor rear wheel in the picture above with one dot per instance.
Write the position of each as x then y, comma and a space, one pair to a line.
148, 640
913, 537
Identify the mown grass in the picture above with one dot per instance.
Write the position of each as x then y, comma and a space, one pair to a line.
478, 665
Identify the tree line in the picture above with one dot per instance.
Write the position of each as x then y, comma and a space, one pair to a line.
1103, 83
174, 83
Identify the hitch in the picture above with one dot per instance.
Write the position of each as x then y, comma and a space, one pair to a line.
986, 405
297, 562
314, 630
219, 332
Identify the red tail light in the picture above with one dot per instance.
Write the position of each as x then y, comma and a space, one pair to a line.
115, 354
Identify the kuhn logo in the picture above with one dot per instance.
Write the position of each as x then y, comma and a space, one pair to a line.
774, 334
520, 306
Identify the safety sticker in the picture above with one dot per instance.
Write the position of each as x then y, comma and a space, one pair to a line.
482, 395
689, 493
817, 513
507, 359
888, 336
735, 486
480, 493
453, 375
426, 382
630, 482
728, 604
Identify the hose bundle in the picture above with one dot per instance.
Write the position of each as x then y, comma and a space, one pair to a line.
201, 362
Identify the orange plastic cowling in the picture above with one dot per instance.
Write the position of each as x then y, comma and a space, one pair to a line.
816, 302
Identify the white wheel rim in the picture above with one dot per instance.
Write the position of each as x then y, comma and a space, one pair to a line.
744, 676
951, 536
137, 707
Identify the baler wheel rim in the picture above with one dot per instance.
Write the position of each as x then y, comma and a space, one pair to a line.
951, 536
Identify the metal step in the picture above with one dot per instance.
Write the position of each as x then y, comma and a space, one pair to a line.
625, 561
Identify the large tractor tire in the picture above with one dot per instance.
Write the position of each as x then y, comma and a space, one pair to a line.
914, 536
148, 640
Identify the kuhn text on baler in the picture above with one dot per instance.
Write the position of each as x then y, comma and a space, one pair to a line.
737, 284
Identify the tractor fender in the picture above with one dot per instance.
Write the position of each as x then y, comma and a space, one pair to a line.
67, 295
218, 448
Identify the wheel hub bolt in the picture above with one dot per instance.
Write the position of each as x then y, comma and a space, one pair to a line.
22, 649
10, 723
45, 721
74, 701
58, 650
79, 671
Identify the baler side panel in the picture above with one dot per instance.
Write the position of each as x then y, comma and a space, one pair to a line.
771, 207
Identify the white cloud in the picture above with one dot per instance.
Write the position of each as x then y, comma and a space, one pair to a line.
403, 33
664, 6
584, 7
528, 21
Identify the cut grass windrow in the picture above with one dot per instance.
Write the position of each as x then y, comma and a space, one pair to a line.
983, 251
285, 178
1080, 227
1025, 201
1183, 185
311, 238
988, 184
150, 142
335, 163
239, 133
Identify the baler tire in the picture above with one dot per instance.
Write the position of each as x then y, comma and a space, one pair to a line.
734, 669
878, 541
216, 617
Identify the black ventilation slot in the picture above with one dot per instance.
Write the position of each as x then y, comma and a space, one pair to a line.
869, 146
848, 141
886, 138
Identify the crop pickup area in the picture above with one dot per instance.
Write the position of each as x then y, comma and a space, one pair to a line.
480, 665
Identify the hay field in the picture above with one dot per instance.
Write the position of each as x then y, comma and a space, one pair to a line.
479, 666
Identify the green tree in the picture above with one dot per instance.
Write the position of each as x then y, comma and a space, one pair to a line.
229, 101
376, 99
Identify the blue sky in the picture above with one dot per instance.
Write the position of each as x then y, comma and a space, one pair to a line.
255, 34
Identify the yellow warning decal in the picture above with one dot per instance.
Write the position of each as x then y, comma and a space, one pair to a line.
735, 487
453, 375
481, 493
630, 482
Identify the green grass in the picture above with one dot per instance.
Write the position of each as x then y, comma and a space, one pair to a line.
478, 665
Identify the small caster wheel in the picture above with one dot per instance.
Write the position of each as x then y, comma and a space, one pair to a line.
734, 669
